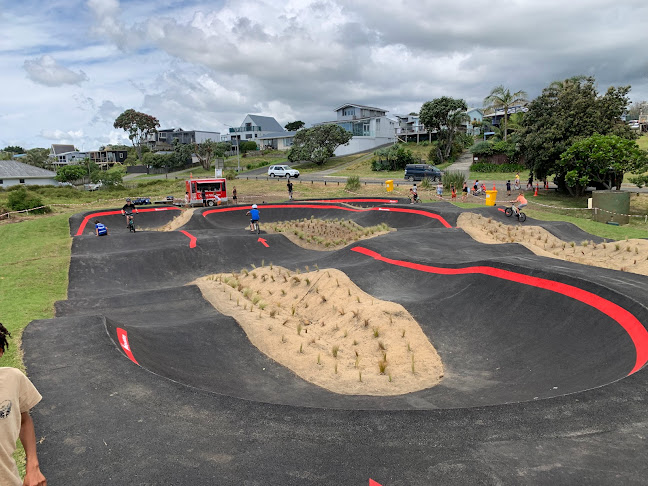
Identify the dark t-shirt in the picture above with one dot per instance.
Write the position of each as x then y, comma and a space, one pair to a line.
129, 208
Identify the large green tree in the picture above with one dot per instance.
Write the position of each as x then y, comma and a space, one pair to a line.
602, 159
138, 125
294, 126
38, 157
69, 173
501, 98
445, 115
564, 113
14, 149
208, 150
318, 144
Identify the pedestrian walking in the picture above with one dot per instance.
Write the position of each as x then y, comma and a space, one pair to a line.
464, 192
203, 194
508, 188
234, 195
453, 193
290, 189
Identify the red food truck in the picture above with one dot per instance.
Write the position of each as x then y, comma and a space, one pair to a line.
212, 188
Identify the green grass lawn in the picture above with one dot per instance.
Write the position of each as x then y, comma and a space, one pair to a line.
643, 142
34, 266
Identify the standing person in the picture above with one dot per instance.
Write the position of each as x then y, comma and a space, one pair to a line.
100, 229
234, 195
203, 194
508, 187
290, 189
475, 185
530, 182
18, 396
464, 192
453, 192
439, 190
127, 209
413, 193
186, 199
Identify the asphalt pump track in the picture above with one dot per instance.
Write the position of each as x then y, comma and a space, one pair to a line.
144, 382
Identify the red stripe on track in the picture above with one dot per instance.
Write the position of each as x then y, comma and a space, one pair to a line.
112, 213
625, 319
192, 238
343, 208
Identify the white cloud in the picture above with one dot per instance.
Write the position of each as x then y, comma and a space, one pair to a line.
46, 71
62, 136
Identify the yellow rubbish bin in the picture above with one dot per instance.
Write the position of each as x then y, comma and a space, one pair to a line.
390, 185
491, 196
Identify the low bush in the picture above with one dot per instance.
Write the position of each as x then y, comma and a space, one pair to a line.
395, 157
353, 183
455, 177
639, 181
21, 199
486, 167
230, 175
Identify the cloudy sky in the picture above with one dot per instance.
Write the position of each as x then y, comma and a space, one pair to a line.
69, 67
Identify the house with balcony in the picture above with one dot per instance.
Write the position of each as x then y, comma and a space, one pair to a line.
369, 125
164, 139
277, 140
475, 117
496, 117
253, 128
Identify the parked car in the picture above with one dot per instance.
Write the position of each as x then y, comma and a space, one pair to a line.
92, 187
282, 171
418, 172
141, 200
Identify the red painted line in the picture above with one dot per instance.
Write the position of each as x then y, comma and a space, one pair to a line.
264, 242
122, 336
343, 208
111, 213
625, 319
192, 238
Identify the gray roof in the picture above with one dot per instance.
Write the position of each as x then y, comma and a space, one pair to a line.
360, 106
12, 169
267, 123
60, 149
283, 134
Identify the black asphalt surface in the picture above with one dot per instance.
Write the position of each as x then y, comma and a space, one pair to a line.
536, 388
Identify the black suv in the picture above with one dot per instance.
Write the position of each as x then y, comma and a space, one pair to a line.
418, 172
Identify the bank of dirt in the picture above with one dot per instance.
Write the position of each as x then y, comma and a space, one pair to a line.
324, 328
625, 255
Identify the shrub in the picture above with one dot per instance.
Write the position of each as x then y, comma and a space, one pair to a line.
21, 199
230, 175
482, 149
395, 157
353, 183
487, 167
639, 181
455, 177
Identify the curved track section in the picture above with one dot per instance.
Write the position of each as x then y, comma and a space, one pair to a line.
523, 334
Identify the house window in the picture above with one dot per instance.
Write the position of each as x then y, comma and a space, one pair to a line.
348, 112
248, 136
1, 182
21, 181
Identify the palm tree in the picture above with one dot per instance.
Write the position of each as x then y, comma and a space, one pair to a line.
501, 97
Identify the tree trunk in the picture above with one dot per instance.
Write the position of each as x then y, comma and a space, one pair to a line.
505, 121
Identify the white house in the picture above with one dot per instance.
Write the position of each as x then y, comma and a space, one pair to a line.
13, 172
474, 115
370, 128
255, 127
277, 140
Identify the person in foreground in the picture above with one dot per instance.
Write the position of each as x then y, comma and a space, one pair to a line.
254, 216
17, 396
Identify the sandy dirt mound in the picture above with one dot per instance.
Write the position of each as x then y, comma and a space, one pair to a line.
327, 330
179, 221
324, 234
626, 255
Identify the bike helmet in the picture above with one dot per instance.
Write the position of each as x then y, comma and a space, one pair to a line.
254, 206
128, 199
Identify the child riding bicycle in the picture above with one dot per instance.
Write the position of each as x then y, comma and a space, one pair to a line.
128, 209
254, 216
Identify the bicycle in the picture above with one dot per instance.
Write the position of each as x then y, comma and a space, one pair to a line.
131, 223
519, 214
256, 227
